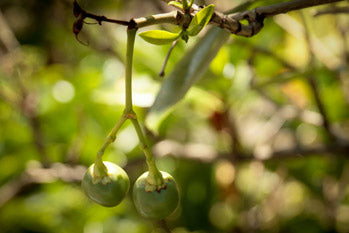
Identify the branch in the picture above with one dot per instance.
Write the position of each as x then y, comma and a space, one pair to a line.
39, 175
256, 16
285, 7
208, 155
314, 87
162, 71
261, 50
333, 10
71, 174
28, 107
229, 22
7, 37
328, 150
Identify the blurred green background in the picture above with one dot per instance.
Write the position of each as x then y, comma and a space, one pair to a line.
259, 144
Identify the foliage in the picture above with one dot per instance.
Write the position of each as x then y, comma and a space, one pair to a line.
159, 37
231, 135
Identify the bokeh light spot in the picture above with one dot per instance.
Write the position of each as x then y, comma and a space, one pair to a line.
225, 173
229, 70
127, 140
63, 91
306, 133
222, 215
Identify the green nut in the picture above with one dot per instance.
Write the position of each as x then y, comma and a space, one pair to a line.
159, 203
107, 190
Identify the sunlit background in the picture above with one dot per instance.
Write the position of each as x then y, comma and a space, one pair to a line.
259, 144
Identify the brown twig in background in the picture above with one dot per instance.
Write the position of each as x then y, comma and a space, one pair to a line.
162, 71
232, 130
179, 151
28, 107
260, 50
7, 37
320, 105
69, 174
39, 175
285, 7
314, 87
224, 120
333, 10
26, 102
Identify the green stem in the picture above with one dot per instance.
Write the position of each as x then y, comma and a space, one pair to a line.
100, 170
131, 34
154, 177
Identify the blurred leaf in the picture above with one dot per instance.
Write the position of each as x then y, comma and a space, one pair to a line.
187, 72
176, 4
200, 20
159, 37
218, 63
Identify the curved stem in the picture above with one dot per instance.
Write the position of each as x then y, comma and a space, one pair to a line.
154, 176
162, 71
100, 169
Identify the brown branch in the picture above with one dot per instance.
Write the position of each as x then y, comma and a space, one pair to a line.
260, 50
256, 16
225, 121
72, 174
7, 37
101, 18
162, 71
313, 85
179, 151
333, 10
233, 133
285, 7
320, 106
38, 139
26, 101
230, 22
328, 150
39, 175
28, 107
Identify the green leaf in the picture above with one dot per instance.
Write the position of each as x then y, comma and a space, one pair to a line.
176, 4
186, 73
159, 37
191, 3
200, 20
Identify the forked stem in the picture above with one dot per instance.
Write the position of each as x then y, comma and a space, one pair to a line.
154, 178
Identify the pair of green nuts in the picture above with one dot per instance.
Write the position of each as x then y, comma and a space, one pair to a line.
111, 189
